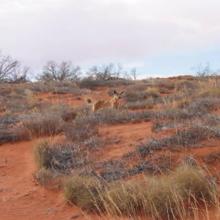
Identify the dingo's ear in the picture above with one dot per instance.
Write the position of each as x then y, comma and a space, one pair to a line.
122, 93
115, 92
89, 101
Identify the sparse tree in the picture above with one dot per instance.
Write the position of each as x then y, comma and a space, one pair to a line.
53, 71
11, 70
203, 71
20, 75
105, 72
133, 73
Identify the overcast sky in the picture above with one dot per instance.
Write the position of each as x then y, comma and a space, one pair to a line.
156, 36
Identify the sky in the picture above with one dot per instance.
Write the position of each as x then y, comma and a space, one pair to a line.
158, 37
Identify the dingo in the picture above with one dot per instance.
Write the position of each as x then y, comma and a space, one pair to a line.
113, 102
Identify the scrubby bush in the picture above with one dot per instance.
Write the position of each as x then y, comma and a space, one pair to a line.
13, 135
201, 106
90, 83
83, 128
44, 177
43, 124
186, 85
61, 158
182, 138
146, 104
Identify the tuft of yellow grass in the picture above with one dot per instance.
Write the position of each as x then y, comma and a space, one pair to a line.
83, 192
173, 196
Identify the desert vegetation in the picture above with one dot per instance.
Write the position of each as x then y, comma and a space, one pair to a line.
155, 155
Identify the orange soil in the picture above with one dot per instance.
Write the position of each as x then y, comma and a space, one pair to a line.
20, 196
125, 137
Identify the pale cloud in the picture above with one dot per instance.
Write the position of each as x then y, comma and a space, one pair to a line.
96, 31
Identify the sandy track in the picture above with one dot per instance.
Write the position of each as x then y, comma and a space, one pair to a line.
20, 196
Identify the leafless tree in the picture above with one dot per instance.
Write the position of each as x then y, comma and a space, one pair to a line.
204, 70
11, 70
105, 72
20, 75
53, 71
133, 73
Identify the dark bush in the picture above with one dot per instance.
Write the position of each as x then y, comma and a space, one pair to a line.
61, 158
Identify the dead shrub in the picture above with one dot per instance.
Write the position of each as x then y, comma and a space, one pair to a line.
183, 138
61, 158
83, 128
40, 124
13, 135
48, 179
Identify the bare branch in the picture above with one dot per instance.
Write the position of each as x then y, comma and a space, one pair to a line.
53, 71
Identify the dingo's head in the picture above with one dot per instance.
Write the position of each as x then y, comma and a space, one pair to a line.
117, 95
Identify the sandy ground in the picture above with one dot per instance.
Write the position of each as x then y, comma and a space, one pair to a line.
20, 196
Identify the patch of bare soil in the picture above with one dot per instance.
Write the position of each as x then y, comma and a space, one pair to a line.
20, 196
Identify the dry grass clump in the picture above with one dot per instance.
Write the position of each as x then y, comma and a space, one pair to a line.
83, 128
163, 85
83, 192
8, 120
11, 130
153, 92
140, 95
194, 185
16, 103
44, 176
133, 96
42, 155
124, 198
145, 104
173, 196
211, 120
90, 83
49, 179
201, 106
182, 138
210, 92
86, 124
65, 87
166, 197
13, 135
173, 114
186, 85
43, 124
187, 108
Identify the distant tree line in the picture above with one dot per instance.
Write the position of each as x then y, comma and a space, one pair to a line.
12, 71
